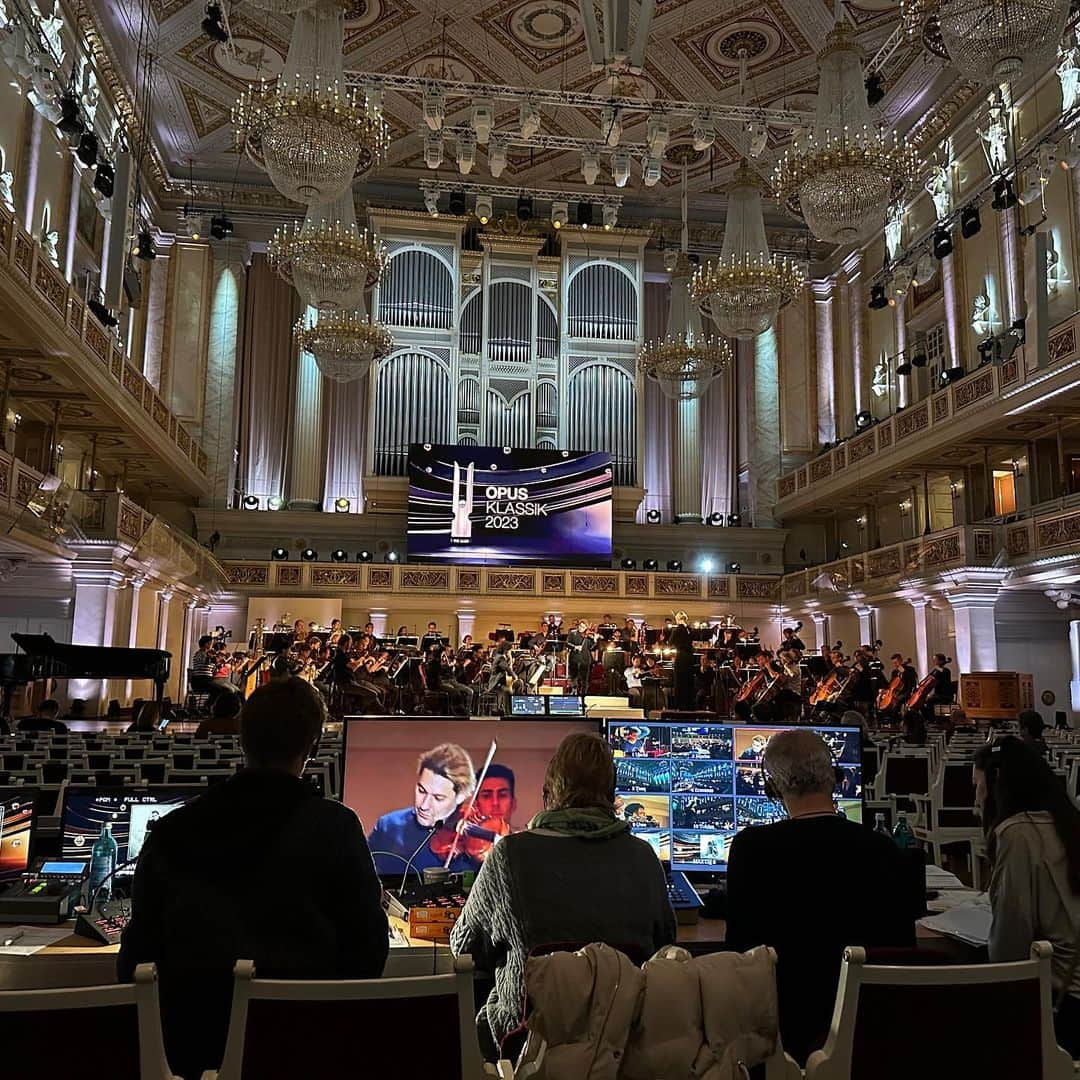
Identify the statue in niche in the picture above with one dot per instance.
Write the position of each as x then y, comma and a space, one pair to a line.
52, 30
996, 133
1055, 272
879, 384
49, 238
7, 193
939, 187
894, 228
983, 317
90, 92
1068, 73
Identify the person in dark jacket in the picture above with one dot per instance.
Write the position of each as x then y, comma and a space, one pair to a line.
812, 885
259, 868
576, 874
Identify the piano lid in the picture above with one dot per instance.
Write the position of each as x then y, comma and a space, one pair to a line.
94, 661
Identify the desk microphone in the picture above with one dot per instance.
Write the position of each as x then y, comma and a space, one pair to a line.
409, 861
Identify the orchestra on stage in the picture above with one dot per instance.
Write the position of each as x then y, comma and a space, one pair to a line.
715, 668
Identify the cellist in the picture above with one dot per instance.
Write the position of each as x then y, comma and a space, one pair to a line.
902, 681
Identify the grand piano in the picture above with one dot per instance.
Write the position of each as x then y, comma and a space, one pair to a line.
43, 658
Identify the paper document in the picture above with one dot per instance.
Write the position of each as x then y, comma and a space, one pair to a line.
937, 879
397, 938
969, 922
27, 940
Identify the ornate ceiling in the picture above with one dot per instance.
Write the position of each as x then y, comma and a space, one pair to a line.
693, 54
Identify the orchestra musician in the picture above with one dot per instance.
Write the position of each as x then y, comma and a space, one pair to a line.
581, 641
335, 632
439, 678
347, 676
906, 679
679, 639
501, 675
705, 684
299, 631
791, 640
552, 626
632, 675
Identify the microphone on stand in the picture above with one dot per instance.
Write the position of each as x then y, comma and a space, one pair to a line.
409, 861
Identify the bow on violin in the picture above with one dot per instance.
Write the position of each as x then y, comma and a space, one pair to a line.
473, 833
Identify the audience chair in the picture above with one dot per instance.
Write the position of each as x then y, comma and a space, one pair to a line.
903, 775
348, 1022
92, 1032
947, 812
896, 1023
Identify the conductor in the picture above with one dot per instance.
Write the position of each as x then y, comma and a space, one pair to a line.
679, 639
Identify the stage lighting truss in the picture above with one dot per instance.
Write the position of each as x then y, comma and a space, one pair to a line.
487, 193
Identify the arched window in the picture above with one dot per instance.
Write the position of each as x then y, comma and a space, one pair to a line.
417, 290
412, 394
602, 304
603, 416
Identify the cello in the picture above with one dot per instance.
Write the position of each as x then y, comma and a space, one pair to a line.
921, 693
833, 687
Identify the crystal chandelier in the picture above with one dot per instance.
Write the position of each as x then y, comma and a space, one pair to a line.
745, 288
326, 258
841, 175
686, 361
343, 343
989, 40
311, 134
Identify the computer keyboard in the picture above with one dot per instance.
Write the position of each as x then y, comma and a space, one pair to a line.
681, 893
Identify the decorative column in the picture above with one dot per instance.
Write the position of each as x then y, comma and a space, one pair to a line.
218, 436
821, 630
164, 596
93, 620
687, 469
826, 368
1074, 657
377, 618
135, 585
903, 383
466, 619
866, 624
765, 439
155, 284
856, 311
973, 603
919, 604
190, 618
306, 457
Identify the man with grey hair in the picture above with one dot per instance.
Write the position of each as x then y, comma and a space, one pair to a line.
813, 884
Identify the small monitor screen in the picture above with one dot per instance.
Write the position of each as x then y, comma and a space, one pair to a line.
403, 776
565, 705
689, 788
527, 705
128, 816
17, 821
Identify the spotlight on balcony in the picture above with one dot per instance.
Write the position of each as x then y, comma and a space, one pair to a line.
309, 554
279, 554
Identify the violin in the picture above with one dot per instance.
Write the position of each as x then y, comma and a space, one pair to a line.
473, 835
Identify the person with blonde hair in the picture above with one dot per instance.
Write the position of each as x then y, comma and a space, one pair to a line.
575, 874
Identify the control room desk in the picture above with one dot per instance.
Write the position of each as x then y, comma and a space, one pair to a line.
77, 961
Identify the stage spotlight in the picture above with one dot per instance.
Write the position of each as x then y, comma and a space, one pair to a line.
863, 420
102, 313
144, 247
560, 214
457, 203
590, 166
628, 564
363, 556
497, 157
341, 505
734, 520
275, 502
221, 227
875, 89
87, 149
877, 298
653, 517
213, 25
434, 107
433, 149
904, 367
707, 565
942, 242
970, 221
431, 203
651, 171
105, 179
1004, 194
620, 167
279, 555
484, 210
704, 131
733, 567
251, 502
466, 152
391, 556
950, 375
611, 215
528, 120
71, 121
338, 555
584, 214
675, 565
716, 518
524, 208
650, 564
309, 554
483, 119
611, 125
985, 349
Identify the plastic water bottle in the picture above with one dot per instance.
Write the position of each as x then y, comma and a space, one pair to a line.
103, 862
902, 835
879, 824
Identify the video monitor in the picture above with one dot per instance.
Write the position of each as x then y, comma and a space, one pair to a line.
527, 705
688, 789
402, 776
565, 705
129, 815
17, 821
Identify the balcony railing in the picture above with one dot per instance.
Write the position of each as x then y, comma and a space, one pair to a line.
21, 257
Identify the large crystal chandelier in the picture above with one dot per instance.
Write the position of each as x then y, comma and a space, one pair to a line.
990, 40
326, 258
344, 343
310, 133
685, 361
841, 175
745, 288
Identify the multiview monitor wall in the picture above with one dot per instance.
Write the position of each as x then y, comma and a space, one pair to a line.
501, 506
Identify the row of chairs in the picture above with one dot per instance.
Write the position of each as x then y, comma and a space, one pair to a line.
890, 1022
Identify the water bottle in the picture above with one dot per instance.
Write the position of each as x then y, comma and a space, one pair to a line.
902, 835
103, 862
879, 824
